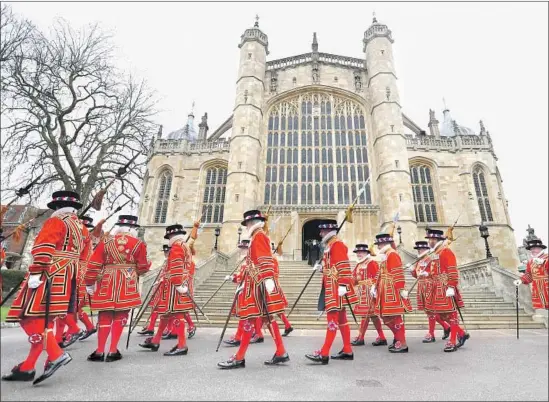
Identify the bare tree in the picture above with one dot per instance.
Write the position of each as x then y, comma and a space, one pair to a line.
13, 32
72, 116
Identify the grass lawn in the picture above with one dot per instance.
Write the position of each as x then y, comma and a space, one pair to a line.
4, 312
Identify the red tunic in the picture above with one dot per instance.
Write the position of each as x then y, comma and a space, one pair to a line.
2, 258
364, 276
178, 271
260, 266
157, 292
536, 274
277, 276
56, 254
83, 266
443, 274
389, 282
116, 264
237, 278
336, 271
424, 284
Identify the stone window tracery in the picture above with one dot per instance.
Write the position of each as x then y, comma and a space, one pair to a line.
304, 126
214, 194
424, 197
162, 200
481, 190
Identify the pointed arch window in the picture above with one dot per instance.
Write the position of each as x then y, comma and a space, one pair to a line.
213, 201
423, 193
163, 197
304, 139
481, 190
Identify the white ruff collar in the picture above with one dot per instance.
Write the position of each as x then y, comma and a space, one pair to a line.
328, 236
176, 238
254, 227
64, 210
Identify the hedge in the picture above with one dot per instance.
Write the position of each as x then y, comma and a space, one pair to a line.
11, 278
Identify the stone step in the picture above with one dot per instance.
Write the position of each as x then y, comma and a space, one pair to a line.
219, 322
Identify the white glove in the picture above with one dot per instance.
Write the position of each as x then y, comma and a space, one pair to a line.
269, 285
318, 267
90, 290
342, 290
404, 293
182, 289
517, 282
34, 281
229, 278
238, 289
450, 292
424, 273
373, 292
538, 260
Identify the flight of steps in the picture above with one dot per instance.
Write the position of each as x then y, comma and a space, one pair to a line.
483, 309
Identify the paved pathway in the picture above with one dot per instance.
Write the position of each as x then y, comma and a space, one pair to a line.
493, 365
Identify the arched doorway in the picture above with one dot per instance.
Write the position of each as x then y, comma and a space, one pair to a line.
309, 232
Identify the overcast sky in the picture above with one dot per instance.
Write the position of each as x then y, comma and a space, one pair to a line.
489, 61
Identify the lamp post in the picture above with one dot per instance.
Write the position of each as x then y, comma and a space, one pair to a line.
485, 234
217, 233
239, 233
399, 231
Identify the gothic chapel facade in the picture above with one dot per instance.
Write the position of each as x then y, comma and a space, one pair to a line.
306, 134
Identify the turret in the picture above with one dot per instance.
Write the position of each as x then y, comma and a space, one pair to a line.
392, 172
243, 173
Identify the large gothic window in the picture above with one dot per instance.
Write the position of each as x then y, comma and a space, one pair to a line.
162, 199
214, 194
424, 196
308, 126
481, 191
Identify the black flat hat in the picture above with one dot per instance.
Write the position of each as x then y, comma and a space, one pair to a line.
173, 230
64, 198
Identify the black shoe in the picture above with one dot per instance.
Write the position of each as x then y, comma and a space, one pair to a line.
446, 334
450, 347
397, 348
357, 342
461, 340
96, 357
146, 331
232, 342
112, 357
287, 331
191, 332
149, 345
232, 364
430, 339
177, 352
71, 339
343, 356
18, 375
278, 359
52, 367
379, 342
169, 336
392, 345
318, 359
257, 340
87, 334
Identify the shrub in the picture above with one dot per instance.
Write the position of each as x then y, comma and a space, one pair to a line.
11, 278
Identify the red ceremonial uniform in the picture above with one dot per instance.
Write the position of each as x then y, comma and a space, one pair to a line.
115, 265
177, 273
389, 283
56, 255
2, 258
537, 274
443, 273
424, 284
260, 266
91, 241
364, 275
336, 271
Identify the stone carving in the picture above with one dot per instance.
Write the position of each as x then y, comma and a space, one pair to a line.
388, 92
358, 81
274, 81
326, 58
147, 198
452, 144
316, 76
246, 96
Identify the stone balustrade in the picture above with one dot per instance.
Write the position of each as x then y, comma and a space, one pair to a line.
458, 143
186, 147
325, 58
